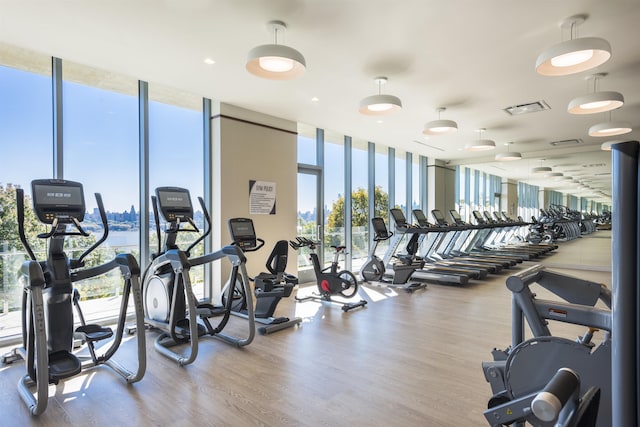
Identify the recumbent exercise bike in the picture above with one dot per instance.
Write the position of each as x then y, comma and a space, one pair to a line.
269, 287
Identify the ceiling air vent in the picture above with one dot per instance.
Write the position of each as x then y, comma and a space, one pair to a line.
532, 107
566, 142
427, 145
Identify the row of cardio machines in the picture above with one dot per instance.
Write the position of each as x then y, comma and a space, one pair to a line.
54, 348
443, 252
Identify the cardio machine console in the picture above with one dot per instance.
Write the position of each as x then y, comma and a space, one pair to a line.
58, 199
243, 233
175, 203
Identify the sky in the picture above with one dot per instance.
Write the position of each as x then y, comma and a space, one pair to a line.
100, 140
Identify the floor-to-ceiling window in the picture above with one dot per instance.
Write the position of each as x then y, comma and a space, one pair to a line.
334, 193
359, 202
27, 152
400, 179
100, 128
65, 120
309, 182
176, 159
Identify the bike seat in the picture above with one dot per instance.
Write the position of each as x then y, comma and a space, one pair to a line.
339, 248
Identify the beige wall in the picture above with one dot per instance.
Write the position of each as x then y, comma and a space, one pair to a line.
253, 146
509, 198
441, 192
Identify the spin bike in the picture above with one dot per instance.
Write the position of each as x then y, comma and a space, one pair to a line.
330, 281
269, 287
374, 269
169, 302
48, 332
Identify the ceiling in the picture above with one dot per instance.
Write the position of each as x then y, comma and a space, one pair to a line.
473, 57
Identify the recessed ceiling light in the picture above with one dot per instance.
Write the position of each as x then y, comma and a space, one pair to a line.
315, 99
209, 61
379, 121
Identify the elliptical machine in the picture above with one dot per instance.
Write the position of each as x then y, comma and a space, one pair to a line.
373, 270
48, 299
330, 281
269, 287
169, 302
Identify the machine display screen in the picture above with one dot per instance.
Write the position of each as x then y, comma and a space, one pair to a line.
58, 195
438, 215
455, 215
242, 230
174, 199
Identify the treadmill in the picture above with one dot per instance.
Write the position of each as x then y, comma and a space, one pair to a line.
432, 272
475, 242
457, 236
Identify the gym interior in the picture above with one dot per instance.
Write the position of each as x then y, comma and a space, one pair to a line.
406, 304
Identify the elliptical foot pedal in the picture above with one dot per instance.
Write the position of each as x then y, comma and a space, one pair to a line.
63, 364
93, 333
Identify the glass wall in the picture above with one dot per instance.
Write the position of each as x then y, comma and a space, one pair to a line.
359, 202
100, 125
307, 145
89, 130
176, 160
415, 182
27, 152
334, 193
528, 204
400, 179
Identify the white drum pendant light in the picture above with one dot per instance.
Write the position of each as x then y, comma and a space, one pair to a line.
276, 61
440, 127
509, 156
379, 105
574, 55
480, 144
596, 102
610, 128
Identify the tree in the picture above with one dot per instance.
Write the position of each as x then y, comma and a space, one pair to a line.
359, 208
11, 250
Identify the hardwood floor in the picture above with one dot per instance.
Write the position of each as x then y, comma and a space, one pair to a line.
404, 360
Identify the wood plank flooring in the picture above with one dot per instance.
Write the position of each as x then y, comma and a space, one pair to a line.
405, 360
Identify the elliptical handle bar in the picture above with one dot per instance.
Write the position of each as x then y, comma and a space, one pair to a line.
20, 209
207, 224
105, 226
156, 217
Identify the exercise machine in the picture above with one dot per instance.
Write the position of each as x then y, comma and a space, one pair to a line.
49, 333
527, 365
330, 281
374, 270
558, 403
269, 287
169, 302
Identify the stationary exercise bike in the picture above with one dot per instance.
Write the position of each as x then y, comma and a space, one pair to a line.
48, 327
269, 287
330, 281
373, 270
169, 302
